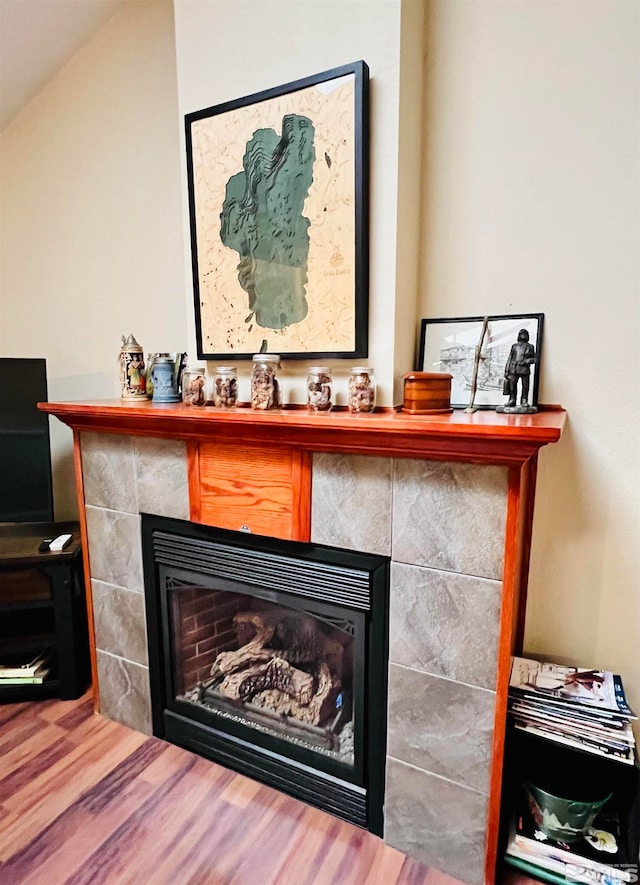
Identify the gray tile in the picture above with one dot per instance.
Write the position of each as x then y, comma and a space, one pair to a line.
124, 692
351, 502
435, 821
441, 726
450, 516
445, 624
108, 471
115, 552
161, 475
120, 624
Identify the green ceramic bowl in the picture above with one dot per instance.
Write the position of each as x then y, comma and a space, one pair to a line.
564, 820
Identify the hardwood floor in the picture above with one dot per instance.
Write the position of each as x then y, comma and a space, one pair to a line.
85, 801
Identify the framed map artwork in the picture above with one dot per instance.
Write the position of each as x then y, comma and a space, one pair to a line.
278, 205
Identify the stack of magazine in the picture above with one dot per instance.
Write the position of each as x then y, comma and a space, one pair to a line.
599, 858
25, 668
586, 709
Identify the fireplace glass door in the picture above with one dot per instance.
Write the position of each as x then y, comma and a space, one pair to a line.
270, 657
283, 669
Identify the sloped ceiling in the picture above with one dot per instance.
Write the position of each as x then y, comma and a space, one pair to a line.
37, 38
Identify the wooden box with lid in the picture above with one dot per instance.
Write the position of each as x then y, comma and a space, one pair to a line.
427, 393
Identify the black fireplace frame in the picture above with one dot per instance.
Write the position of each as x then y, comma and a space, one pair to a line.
354, 794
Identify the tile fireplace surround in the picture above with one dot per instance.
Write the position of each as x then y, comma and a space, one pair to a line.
448, 498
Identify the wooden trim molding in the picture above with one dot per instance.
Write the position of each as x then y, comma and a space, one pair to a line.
86, 567
483, 437
517, 541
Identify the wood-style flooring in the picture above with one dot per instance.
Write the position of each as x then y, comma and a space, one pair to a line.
85, 801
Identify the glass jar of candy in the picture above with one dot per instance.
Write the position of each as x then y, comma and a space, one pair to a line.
225, 387
194, 386
319, 386
362, 389
265, 389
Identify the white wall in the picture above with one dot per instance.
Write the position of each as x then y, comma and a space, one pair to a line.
531, 204
91, 241
227, 49
410, 170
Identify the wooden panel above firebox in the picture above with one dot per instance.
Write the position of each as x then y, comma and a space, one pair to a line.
251, 488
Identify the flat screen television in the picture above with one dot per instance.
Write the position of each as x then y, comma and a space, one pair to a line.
26, 493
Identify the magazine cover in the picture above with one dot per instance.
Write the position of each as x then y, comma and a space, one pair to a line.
594, 715
562, 872
613, 729
617, 738
594, 688
620, 743
579, 743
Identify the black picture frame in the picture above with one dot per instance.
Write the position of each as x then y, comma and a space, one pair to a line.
278, 186
449, 345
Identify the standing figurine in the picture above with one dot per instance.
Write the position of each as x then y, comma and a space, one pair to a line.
518, 368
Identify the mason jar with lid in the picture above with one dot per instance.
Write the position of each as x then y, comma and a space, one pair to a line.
362, 389
319, 389
265, 389
194, 386
225, 387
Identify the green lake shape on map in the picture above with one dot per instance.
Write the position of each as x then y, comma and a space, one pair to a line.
262, 221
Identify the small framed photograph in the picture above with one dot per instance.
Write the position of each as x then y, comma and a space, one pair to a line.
450, 345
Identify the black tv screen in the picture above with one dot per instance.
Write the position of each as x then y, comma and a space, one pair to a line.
25, 454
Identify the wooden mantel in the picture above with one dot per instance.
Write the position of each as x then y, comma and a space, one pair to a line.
254, 467
481, 437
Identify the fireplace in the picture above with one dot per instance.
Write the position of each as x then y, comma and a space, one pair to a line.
270, 657
449, 499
